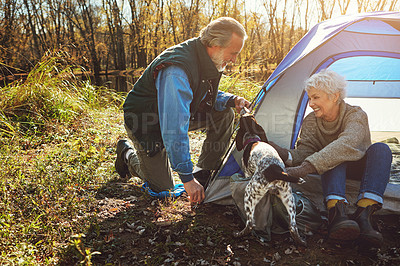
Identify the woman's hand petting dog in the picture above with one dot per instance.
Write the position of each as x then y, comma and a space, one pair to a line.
301, 171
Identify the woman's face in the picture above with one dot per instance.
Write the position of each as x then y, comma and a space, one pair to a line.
324, 106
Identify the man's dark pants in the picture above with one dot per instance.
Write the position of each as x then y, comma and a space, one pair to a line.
156, 170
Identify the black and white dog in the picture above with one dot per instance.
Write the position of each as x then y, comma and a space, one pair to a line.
263, 166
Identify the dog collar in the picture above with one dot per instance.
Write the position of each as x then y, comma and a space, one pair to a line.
250, 141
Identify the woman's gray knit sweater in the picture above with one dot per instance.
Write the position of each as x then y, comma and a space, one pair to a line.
327, 144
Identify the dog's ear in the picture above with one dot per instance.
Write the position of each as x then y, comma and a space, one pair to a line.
261, 133
275, 172
258, 130
239, 139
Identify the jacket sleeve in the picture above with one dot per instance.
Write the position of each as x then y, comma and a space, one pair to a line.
174, 98
223, 100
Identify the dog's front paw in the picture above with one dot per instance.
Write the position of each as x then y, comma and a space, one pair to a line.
299, 240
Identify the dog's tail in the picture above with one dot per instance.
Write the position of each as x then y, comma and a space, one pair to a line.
275, 172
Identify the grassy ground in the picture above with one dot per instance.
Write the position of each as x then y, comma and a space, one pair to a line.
61, 202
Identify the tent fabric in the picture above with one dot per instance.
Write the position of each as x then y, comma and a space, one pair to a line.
365, 48
323, 31
373, 26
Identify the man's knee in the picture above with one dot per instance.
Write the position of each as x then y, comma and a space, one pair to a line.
220, 121
225, 117
229, 119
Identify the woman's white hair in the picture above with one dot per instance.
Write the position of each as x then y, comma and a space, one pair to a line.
328, 81
219, 32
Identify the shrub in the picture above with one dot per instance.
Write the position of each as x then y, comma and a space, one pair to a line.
51, 93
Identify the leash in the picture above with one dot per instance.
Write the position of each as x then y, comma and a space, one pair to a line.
244, 111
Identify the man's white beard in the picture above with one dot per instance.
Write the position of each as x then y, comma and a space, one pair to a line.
218, 60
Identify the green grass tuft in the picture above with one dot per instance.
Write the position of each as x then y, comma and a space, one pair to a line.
51, 94
236, 83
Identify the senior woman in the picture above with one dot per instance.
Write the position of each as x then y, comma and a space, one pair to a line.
335, 142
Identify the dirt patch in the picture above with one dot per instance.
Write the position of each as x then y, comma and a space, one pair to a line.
135, 229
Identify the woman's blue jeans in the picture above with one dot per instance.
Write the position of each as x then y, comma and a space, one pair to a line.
373, 170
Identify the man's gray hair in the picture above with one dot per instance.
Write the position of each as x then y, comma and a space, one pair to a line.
328, 81
219, 32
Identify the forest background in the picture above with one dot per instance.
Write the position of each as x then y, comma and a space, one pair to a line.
120, 36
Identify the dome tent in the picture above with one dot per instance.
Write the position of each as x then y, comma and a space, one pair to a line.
364, 48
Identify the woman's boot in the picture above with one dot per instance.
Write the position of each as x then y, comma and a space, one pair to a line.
340, 227
368, 236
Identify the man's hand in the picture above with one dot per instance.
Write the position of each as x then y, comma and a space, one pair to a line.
241, 102
195, 191
301, 171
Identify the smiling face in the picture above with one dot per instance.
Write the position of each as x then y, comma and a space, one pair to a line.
221, 56
324, 106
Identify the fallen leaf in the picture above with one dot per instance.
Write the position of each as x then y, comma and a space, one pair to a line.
162, 222
130, 226
108, 238
229, 250
277, 256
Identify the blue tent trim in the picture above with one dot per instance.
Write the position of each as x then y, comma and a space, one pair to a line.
335, 58
231, 167
299, 119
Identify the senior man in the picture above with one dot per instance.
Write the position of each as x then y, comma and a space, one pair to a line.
178, 92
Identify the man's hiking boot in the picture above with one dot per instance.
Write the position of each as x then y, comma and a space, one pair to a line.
203, 176
368, 236
340, 227
120, 163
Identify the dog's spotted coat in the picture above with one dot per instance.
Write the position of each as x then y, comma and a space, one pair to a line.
263, 166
